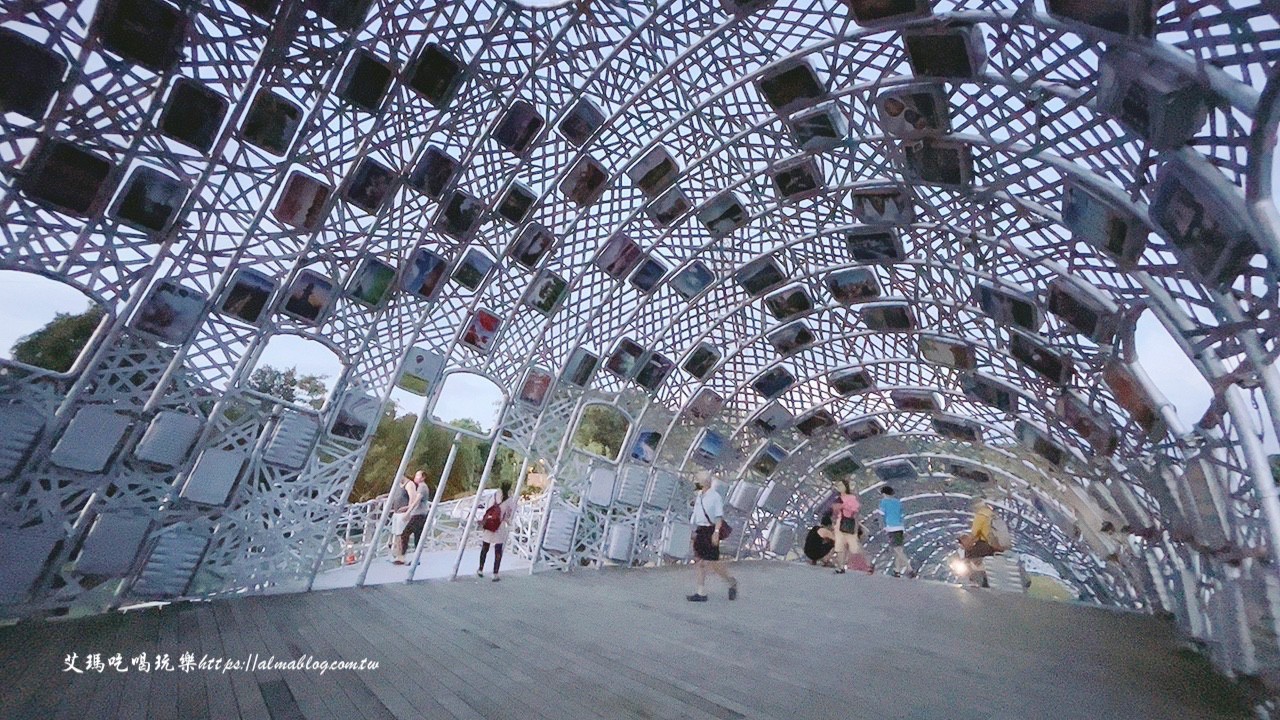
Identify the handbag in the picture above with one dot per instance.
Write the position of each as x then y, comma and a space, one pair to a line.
849, 525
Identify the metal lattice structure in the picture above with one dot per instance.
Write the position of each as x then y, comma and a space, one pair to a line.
787, 240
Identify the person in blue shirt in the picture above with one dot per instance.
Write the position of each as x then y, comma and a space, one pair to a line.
891, 508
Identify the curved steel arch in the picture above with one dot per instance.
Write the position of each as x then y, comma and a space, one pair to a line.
98, 516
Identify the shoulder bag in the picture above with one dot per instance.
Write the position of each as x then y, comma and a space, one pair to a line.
725, 528
849, 525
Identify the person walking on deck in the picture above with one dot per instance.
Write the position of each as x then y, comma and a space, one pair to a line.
977, 542
895, 528
707, 517
495, 525
844, 522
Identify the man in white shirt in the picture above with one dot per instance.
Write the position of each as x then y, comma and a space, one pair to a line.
707, 517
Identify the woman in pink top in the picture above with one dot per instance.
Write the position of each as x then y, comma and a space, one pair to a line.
844, 522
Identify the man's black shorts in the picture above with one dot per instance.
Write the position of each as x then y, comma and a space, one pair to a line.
413, 528
702, 545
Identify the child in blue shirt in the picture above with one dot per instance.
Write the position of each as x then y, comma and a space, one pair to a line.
891, 508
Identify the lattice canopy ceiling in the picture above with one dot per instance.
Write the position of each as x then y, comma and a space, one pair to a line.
791, 241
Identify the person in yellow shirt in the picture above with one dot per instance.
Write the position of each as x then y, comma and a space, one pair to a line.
982, 514
977, 544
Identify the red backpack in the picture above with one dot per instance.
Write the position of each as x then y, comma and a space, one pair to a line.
492, 519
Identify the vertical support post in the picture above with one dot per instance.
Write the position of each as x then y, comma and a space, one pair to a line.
542, 531
386, 506
520, 476
1259, 467
551, 484
1270, 493
435, 506
520, 483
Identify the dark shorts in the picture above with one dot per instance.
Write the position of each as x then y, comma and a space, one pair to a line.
703, 548
413, 527
895, 538
979, 549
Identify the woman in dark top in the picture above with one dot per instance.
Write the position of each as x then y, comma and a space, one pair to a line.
819, 543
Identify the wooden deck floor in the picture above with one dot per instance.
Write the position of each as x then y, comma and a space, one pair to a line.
799, 643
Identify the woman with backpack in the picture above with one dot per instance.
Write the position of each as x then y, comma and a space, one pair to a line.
494, 527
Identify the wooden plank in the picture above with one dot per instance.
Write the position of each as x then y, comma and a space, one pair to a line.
474, 669
280, 700
248, 695
596, 684
407, 682
192, 698
36, 665
295, 632
320, 642
162, 698
220, 693
267, 641
97, 694
591, 650
139, 632
596, 645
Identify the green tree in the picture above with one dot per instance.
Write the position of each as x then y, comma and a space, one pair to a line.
289, 386
391, 437
601, 430
57, 345
383, 457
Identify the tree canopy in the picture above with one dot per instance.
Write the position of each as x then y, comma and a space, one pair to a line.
289, 386
57, 345
602, 430
429, 455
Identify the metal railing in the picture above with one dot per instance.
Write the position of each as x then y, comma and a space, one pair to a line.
353, 538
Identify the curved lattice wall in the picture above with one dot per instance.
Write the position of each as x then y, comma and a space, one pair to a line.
789, 241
